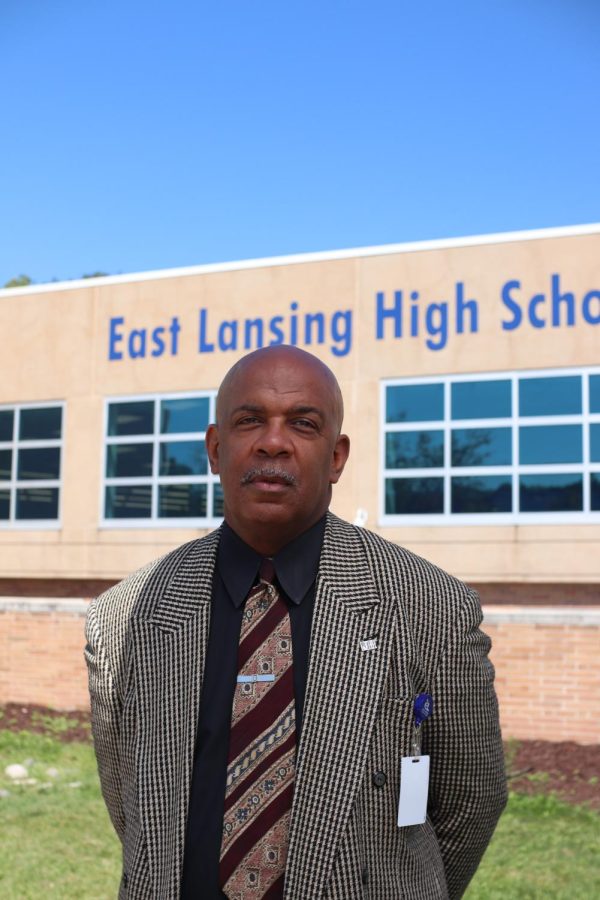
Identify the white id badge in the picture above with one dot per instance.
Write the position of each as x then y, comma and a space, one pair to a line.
414, 785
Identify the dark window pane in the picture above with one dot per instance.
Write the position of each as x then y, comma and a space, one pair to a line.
482, 495
415, 403
41, 424
595, 393
131, 417
217, 500
4, 505
128, 501
411, 496
539, 444
595, 442
182, 500
6, 424
414, 449
129, 460
183, 458
481, 399
553, 396
38, 463
595, 490
37, 503
481, 447
5, 465
187, 414
551, 493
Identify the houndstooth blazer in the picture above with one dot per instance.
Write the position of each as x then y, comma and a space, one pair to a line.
146, 647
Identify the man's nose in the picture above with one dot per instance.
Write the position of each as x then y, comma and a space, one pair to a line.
274, 440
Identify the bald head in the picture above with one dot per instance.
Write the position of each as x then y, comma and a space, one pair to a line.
272, 359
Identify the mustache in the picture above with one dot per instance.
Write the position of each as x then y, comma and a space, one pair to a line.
268, 472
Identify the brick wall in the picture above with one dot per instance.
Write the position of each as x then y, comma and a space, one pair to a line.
547, 671
41, 652
547, 663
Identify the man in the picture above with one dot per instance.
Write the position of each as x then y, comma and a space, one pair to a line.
252, 760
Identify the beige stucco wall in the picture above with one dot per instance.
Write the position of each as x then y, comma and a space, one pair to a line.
55, 347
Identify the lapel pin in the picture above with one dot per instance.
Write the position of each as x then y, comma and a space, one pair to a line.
371, 644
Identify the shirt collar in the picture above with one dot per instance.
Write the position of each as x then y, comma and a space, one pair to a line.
296, 564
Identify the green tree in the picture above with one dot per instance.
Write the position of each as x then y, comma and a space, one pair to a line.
19, 281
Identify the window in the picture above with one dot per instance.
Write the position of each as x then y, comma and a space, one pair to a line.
155, 465
30, 464
505, 447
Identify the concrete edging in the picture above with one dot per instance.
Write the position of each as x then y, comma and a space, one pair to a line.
77, 607
586, 617
577, 616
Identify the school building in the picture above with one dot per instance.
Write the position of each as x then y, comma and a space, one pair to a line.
470, 370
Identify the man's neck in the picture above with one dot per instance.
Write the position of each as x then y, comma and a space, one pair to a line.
265, 540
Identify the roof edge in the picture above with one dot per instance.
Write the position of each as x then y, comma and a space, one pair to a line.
300, 258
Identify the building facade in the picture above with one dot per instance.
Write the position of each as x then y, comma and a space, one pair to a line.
471, 376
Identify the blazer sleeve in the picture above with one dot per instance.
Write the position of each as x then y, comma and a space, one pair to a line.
468, 780
106, 716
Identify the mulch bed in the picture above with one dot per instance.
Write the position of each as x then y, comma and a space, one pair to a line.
571, 770
73, 725
534, 767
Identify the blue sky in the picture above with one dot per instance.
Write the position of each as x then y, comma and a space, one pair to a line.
144, 135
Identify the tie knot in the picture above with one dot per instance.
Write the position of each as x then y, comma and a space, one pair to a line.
266, 571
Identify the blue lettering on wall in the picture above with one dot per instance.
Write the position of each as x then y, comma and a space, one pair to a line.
588, 310
250, 334
556, 309
253, 333
341, 332
138, 343
276, 330
567, 300
436, 322
463, 306
158, 341
512, 305
383, 312
115, 337
399, 314
203, 345
228, 335
432, 320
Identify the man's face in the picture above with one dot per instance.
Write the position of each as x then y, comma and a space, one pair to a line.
277, 446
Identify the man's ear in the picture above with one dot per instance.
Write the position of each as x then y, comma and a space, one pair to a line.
341, 452
212, 448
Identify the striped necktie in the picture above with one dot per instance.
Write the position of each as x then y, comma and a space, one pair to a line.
262, 750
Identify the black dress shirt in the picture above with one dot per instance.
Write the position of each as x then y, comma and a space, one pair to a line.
235, 572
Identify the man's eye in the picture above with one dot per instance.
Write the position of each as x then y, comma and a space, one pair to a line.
305, 423
247, 420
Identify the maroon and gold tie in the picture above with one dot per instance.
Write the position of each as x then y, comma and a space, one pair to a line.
262, 750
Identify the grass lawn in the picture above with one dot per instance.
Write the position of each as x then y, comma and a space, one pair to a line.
57, 841
543, 848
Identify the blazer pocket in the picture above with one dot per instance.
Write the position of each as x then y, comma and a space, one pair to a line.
391, 741
395, 724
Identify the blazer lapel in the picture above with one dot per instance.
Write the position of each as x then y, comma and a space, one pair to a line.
345, 682
169, 637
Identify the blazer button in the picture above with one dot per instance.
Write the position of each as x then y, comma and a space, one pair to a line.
379, 779
364, 876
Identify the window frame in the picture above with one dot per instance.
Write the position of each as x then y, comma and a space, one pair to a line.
156, 438
514, 470
13, 484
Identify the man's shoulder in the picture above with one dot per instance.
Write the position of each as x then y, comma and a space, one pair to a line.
414, 575
124, 595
